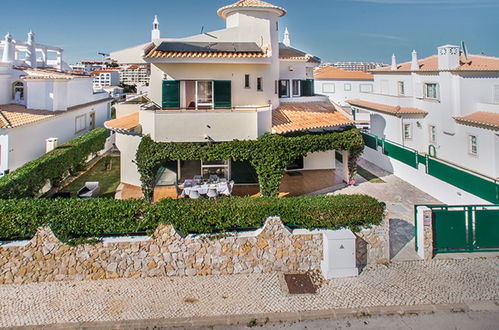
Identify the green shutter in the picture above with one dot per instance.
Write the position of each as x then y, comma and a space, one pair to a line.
171, 94
223, 93
307, 87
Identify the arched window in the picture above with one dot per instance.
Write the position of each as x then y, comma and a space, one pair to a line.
18, 91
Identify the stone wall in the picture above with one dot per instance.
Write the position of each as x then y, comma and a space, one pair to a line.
166, 253
373, 245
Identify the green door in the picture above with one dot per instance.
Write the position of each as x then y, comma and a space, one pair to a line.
171, 94
487, 229
223, 93
449, 230
307, 87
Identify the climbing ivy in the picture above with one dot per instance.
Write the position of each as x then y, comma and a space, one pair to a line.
269, 154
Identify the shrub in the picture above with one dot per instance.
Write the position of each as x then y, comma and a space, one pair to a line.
29, 179
72, 219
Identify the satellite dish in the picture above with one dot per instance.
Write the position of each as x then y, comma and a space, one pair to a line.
463, 48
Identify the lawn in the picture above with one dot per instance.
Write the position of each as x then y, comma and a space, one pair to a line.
106, 172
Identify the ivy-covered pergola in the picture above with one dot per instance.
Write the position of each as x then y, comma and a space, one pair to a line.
269, 155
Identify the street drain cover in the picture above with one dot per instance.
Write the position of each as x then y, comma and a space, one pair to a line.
299, 284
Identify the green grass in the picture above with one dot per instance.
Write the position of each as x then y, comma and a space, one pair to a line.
106, 172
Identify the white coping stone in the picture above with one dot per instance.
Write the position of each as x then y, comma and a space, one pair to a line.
125, 239
14, 243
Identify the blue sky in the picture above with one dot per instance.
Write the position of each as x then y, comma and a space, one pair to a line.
335, 30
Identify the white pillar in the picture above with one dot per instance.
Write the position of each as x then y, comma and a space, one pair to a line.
44, 57
394, 63
286, 41
31, 50
9, 50
414, 62
346, 173
59, 60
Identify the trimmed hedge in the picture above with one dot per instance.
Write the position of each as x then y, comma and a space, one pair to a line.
30, 178
269, 154
73, 219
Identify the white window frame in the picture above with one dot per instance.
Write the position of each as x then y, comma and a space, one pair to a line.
362, 88
408, 132
349, 89
432, 134
79, 120
332, 88
401, 88
470, 145
425, 91
226, 166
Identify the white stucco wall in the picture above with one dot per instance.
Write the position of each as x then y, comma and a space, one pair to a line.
320, 160
128, 144
28, 142
340, 95
4, 150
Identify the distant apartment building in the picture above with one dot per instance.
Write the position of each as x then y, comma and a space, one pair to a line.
105, 78
135, 74
89, 66
356, 66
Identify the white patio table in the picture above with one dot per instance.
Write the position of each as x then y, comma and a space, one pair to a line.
222, 189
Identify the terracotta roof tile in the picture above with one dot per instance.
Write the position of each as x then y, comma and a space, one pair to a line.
290, 117
388, 109
481, 118
250, 4
332, 72
125, 123
154, 53
49, 73
473, 63
13, 115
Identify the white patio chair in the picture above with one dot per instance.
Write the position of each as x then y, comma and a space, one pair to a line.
194, 194
188, 183
214, 178
212, 192
198, 179
224, 180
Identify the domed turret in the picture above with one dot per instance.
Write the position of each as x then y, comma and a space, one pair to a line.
224, 12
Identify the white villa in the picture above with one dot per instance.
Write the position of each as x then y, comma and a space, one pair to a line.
41, 105
446, 105
235, 83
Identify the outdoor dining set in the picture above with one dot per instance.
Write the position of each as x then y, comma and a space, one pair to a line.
213, 187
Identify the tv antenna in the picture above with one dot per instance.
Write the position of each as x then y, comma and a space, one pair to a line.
104, 55
463, 49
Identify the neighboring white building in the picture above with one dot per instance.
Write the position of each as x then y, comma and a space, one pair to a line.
89, 66
446, 105
40, 105
340, 85
235, 83
135, 74
356, 66
105, 78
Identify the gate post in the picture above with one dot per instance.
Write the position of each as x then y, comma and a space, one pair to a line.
423, 232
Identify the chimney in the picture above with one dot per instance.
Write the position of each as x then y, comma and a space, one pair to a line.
394, 63
448, 57
414, 62
155, 33
9, 50
286, 41
31, 50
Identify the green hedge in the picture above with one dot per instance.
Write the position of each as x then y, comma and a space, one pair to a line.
72, 219
30, 178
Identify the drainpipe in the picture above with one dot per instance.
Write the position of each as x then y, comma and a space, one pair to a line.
403, 137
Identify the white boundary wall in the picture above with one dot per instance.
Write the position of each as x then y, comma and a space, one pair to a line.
439, 189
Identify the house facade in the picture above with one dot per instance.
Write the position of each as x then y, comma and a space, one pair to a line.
105, 78
40, 104
236, 83
445, 105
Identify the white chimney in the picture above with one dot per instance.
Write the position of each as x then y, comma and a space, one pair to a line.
31, 50
286, 41
394, 63
9, 50
448, 57
414, 62
155, 33
51, 144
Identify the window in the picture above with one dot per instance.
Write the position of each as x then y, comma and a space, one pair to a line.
472, 145
431, 91
283, 88
18, 91
432, 131
296, 164
92, 120
247, 81
328, 88
296, 88
80, 123
496, 94
401, 88
408, 131
205, 93
366, 88
347, 87
219, 168
259, 84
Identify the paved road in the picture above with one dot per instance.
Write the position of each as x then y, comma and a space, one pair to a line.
437, 321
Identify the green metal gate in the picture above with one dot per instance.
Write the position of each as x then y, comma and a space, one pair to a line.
470, 228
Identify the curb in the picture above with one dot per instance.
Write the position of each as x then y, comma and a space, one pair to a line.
264, 318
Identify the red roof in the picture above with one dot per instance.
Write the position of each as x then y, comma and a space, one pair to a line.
473, 63
332, 72
388, 109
